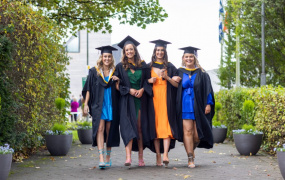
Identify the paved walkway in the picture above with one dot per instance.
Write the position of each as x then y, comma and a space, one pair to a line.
221, 162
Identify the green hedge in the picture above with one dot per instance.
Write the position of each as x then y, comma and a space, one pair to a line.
34, 74
268, 114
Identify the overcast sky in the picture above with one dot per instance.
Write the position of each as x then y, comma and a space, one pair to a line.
189, 23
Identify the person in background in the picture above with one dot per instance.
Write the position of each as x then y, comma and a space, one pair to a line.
195, 105
74, 105
101, 101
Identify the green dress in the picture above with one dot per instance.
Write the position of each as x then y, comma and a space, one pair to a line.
135, 80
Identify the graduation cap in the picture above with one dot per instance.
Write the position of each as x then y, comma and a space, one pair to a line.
106, 49
160, 43
128, 40
190, 49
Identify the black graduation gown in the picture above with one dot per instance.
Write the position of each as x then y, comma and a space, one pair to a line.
128, 120
171, 106
202, 88
95, 84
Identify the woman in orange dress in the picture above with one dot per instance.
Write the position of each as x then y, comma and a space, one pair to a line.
164, 96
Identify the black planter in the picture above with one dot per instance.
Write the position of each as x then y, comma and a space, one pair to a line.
85, 136
248, 144
5, 165
281, 162
58, 145
219, 134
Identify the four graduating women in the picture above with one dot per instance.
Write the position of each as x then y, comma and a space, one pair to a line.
101, 100
158, 103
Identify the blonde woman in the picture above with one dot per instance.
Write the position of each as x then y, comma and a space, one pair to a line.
195, 105
101, 101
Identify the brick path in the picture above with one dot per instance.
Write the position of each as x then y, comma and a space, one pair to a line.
221, 162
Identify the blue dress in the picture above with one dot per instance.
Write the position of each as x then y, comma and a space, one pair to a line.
188, 97
107, 104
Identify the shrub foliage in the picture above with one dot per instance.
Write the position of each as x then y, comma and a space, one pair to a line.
35, 65
267, 113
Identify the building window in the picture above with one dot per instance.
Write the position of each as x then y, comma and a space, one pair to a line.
73, 44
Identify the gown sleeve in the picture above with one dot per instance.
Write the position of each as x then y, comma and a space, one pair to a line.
146, 85
124, 90
210, 99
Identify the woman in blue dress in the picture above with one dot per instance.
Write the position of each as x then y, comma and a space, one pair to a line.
101, 101
195, 105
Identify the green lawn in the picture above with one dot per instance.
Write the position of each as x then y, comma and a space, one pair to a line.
75, 135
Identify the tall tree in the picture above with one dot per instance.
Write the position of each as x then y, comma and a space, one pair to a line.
249, 20
96, 14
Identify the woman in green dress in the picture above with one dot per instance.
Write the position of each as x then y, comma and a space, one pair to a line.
136, 124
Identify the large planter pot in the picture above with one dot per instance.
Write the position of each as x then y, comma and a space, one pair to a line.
5, 165
85, 136
219, 134
248, 144
58, 145
281, 162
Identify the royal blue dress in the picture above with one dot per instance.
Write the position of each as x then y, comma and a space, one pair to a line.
188, 97
107, 104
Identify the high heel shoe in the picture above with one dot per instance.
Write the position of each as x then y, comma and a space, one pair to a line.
141, 161
166, 162
128, 162
191, 161
101, 164
158, 164
108, 164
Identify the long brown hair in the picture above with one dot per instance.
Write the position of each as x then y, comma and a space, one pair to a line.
165, 57
196, 63
137, 58
100, 63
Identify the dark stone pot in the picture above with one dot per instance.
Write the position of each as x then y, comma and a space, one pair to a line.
219, 134
281, 162
5, 165
58, 145
248, 144
85, 136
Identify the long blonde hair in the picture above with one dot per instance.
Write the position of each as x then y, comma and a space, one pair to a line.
100, 63
196, 63
137, 58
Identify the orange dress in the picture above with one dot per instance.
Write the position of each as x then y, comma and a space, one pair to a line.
162, 126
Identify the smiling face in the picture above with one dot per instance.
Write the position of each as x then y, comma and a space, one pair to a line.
159, 53
130, 51
107, 59
189, 60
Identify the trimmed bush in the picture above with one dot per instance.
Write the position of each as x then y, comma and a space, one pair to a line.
266, 107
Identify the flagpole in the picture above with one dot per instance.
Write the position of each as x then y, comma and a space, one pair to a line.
263, 76
237, 55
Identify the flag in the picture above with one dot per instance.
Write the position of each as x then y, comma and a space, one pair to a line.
221, 16
226, 24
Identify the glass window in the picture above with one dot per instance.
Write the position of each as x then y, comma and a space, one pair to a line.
73, 45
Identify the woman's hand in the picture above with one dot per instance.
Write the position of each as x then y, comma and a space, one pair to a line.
176, 79
163, 73
139, 93
152, 80
86, 109
115, 78
208, 109
133, 92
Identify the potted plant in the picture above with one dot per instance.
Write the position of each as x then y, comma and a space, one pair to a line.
247, 140
281, 158
58, 140
5, 161
218, 129
219, 132
84, 131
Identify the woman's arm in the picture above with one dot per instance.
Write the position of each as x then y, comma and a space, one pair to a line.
86, 108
